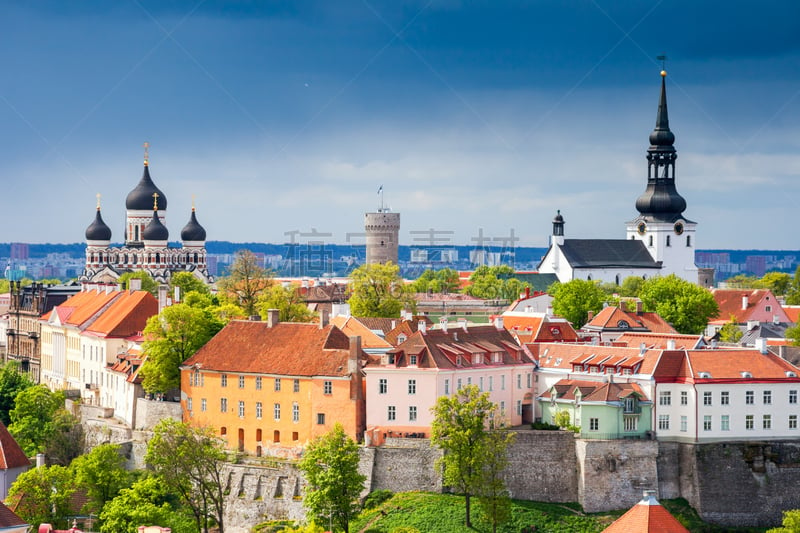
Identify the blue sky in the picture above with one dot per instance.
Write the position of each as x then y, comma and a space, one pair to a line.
281, 117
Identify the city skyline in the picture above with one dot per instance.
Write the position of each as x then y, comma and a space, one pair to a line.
487, 117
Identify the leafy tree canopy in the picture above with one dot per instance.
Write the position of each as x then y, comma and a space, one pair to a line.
330, 466
688, 307
495, 282
34, 418
730, 332
171, 337
574, 299
47, 493
147, 501
245, 282
12, 382
148, 283
790, 524
379, 291
102, 473
288, 301
187, 282
436, 281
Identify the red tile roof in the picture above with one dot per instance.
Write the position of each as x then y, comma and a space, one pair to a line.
730, 302
611, 317
659, 340
742, 365
594, 391
353, 327
565, 356
647, 516
83, 306
284, 349
11, 455
126, 316
9, 518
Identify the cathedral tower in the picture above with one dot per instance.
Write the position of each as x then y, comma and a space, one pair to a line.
668, 236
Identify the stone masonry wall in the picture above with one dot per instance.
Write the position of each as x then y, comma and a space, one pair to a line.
613, 473
151, 412
404, 465
542, 466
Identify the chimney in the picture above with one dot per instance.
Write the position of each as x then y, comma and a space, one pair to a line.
273, 317
498, 322
549, 311
642, 348
40, 460
323, 318
120, 287
775, 319
590, 316
135, 284
639, 308
744, 303
422, 327
176, 294
714, 344
527, 292
162, 296
463, 323
394, 323
443, 323
761, 345
670, 344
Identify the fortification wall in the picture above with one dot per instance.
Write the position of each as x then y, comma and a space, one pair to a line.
542, 466
151, 412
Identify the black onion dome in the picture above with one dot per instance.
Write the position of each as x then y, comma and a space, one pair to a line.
98, 230
661, 199
193, 231
155, 230
141, 197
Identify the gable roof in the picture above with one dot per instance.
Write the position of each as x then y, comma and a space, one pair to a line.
613, 318
11, 455
354, 327
731, 302
647, 516
660, 340
563, 356
9, 518
288, 349
724, 366
594, 391
127, 315
607, 253
83, 306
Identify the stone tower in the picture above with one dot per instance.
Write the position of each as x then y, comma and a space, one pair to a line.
383, 232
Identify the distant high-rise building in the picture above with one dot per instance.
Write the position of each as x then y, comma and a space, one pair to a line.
383, 234
19, 250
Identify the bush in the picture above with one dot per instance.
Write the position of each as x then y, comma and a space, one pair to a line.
377, 497
545, 426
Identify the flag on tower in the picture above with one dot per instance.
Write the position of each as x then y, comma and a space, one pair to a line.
380, 189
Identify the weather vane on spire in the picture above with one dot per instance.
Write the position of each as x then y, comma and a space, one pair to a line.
663, 60
146, 153
155, 201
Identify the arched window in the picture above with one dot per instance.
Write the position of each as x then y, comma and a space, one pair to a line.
688, 240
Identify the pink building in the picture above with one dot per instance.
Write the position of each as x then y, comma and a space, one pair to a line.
404, 384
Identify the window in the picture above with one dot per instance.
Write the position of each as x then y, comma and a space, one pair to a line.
665, 398
296, 386
503, 382
748, 422
295, 412
491, 383
277, 384
480, 384
276, 412
223, 380
519, 407
412, 360
725, 423
650, 241
792, 421
707, 398
529, 379
707, 423
792, 396
258, 383
320, 419
749, 397
502, 408
629, 405
241, 382
594, 424
383, 386
688, 241
203, 404
767, 397
766, 422
188, 404
469, 380
223, 405
684, 423
391, 412
631, 423
519, 381
663, 422
412, 386
412, 413
241, 409
327, 387
459, 383
684, 398
724, 398
768, 308
447, 387
668, 241
259, 410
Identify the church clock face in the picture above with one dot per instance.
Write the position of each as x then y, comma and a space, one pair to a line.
678, 228
641, 228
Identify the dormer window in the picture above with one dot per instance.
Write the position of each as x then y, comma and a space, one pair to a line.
412, 360
476, 359
458, 360
497, 357
555, 331
401, 338
622, 324
391, 358
630, 404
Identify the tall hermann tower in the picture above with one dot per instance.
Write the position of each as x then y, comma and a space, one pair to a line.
661, 226
383, 234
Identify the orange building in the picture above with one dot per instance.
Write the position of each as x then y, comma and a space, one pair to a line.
269, 387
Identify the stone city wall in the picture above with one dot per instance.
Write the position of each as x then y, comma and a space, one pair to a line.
151, 412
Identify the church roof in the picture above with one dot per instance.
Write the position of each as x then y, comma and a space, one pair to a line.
607, 253
155, 230
646, 516
141, 197
98, 230
193, 231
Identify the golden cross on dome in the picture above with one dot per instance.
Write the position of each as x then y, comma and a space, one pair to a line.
155, 201
146, 153
98, 201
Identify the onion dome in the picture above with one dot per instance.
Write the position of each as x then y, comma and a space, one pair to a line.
193, 231
155, 230
141, 197
98, 230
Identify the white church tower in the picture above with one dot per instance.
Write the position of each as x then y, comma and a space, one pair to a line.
668, 236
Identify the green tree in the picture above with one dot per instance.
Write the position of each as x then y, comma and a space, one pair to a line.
190, 462
12, 382
171, 337
379, 291
147, 501
631, 286
574, 299
245, 282
34, 418
493, 496
330, 466
743, 281
288, 301
437, 281
459, 429
790, 524
187, 282
688, 307
495, 282
777, 282
47, 492
148, 283
793, 334
65, 442
730, 332
102, 474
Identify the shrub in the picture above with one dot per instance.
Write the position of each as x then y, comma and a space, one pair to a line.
377, 497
